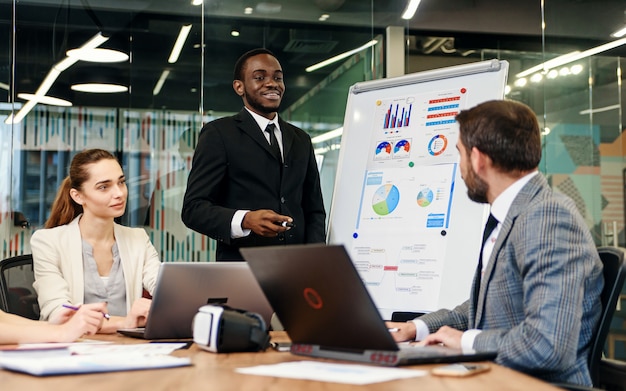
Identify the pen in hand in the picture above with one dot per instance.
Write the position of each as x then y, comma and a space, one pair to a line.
75, 308
285, 224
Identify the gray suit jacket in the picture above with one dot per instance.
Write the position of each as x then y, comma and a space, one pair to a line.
539, 299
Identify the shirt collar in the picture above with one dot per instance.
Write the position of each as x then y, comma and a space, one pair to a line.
262, 121
502, 204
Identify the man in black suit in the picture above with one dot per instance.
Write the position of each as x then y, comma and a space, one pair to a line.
251, 185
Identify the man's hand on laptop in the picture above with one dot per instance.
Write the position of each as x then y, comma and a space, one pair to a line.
446, 336
402, 331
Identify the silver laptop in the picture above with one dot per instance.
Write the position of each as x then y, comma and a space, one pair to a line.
183, 287
327, 311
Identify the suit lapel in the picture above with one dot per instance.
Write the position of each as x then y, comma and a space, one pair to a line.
74, 243
523, 198
288, 137
246, 123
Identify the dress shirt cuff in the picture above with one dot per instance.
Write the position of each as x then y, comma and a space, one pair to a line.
421, 329
467, 340
235, 225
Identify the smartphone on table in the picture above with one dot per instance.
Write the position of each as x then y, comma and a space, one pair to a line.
281, 346
460, 369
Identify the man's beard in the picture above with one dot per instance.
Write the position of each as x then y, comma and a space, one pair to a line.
476, 187
258, 106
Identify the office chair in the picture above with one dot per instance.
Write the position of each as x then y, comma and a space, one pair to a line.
614, 272
17, 295
612, 375
617, 333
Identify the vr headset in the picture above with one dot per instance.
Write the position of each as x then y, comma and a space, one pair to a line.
221, 329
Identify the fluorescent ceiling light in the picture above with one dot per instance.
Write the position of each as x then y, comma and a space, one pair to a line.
103, 88
180, 41
159, 84
555, 62
46, 100
98, 55
340, 56
51, 77
409, 12
327, 136
619, 33
4, 86
571, 57
196, 2
599, 109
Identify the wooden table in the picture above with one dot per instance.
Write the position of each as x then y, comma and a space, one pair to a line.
215, 372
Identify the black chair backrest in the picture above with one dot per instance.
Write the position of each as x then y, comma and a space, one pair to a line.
17, 295
614, 273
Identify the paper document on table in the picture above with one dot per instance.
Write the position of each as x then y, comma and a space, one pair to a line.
331, 372
139, 348
51, 346
91, 363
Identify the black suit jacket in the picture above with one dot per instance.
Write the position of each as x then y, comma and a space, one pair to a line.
234, 168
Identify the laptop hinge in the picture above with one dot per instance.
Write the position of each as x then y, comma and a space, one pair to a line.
378, 357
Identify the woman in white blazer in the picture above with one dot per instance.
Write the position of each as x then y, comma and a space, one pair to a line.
82, 256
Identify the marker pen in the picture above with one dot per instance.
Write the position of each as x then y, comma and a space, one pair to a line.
75, 308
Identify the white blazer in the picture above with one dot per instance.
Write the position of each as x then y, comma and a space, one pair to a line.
58, 265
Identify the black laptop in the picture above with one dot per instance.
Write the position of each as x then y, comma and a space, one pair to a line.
183, 287
327, 311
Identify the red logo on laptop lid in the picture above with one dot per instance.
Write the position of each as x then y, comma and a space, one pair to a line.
313, 298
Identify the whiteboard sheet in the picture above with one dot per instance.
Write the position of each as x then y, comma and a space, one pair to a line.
400, 206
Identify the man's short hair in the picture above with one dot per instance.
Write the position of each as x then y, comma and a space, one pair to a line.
506, 131
241, 62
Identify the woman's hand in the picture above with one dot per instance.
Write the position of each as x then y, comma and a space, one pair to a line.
87, 320
138, 313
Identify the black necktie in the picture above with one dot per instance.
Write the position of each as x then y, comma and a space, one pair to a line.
273, 142
492, 222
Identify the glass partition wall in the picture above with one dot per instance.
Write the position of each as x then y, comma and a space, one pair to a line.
152, 124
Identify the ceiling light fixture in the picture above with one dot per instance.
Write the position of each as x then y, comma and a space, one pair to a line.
619, 33
180, 42
571, 57
267, 7
159, 84
51, 77
196, 2
410, 9
340, 56
235, 31
46, 100
4, 86
99, 88
599, 109
98, 55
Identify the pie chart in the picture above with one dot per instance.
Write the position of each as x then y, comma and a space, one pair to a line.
424, 197
385, 199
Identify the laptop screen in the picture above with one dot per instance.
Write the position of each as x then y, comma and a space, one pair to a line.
183, 287
319, 296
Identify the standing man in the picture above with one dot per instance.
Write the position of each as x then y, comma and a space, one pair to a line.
536, 297
254, 179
